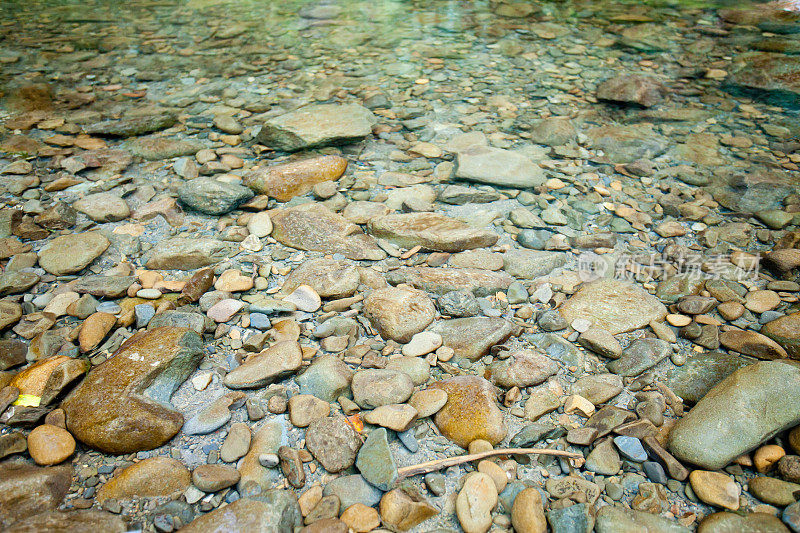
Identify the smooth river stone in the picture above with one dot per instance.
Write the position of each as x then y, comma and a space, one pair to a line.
71, 253
432, 231
613, 305
181, 253
744, 410
314, 227
123, 404
485, 164
786, 332
259, 370
317, 125
398, 313
471, 411
473, 337
443, 280
284, 182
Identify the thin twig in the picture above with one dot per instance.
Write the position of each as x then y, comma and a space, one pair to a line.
432, 466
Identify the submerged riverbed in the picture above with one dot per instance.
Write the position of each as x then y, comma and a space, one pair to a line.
258, 257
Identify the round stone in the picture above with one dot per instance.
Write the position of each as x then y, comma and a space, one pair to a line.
50, 445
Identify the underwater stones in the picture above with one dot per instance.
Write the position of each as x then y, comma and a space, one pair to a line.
314, 227
183, 253
154, 148
432, 231
103, 207
626, 144
522, 368
531, 264
752, 343
131, 127
68, 254
473, 337
27, 490
471, 411
317, 125
738, 414
786, 332
259, 370
496, 166
445, 280
213, 197
330, 278
121, 406
268, 512
399, 313
638, 89
616, 306
284, 182
770, 77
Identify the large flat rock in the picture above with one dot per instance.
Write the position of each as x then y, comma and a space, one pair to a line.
443, 280
432, 231
317, 125
123, 404
614, 305
314, 227
773, 78
741, 412
485, 164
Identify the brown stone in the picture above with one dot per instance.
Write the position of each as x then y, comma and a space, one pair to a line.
121, 406
27, 490
284, 182
402, 511
471, 411
50, 445
94, 330
152, 478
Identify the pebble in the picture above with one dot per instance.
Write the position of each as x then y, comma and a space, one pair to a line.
50, 445
715, 488
475, 502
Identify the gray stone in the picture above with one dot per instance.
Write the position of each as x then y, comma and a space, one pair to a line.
317, 125
640, 355
738, 414
375, 460
530, 264
612, 519
351, 490
327, 378
496, 166
213, 197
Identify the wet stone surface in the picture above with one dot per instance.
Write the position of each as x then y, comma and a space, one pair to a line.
255, 263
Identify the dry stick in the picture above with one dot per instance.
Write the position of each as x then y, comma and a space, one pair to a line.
432, 466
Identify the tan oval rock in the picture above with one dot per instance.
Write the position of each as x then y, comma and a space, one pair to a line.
527, 513
50, 445
475, 502
398, 313
284, 182
94, 330
150, 478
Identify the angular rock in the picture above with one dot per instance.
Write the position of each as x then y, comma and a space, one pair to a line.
375, 460
432, 231
317, 125
122, 405
314, 227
